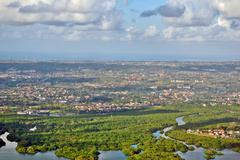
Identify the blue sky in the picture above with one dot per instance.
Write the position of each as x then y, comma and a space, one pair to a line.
120, 29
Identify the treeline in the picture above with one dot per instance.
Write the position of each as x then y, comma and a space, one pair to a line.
162, 149
81, 137
205, 142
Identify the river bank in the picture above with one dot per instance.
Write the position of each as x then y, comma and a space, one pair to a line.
198, 152
8, 152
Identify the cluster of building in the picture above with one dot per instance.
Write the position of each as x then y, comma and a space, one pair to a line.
34, 112
223, 133
114, 86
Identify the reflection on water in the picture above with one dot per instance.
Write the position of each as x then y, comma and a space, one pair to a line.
9, 145
8, 152
135, 146
157, 134
199, 155
112, 155
180, 121
229, 155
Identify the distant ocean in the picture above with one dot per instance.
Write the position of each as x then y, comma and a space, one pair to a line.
116, 57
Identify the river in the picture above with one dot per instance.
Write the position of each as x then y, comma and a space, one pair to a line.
180, 121
198, 152
8, 152
119, 155
112, 155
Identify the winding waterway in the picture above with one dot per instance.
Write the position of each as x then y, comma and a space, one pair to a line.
198, 152
8, 152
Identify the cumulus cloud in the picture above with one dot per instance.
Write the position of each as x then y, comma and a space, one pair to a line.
211, 33
78, 6
102, 15
229, 13
131, 33
223, 22
15, 4
151, 31
167, 10
181, 34
228, 8
187, 13
183, 20
235, 24
198, 20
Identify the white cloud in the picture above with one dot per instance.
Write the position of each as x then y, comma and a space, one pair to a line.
229, 8
151, 31
197, 13
130, 33
182, 20
100, 14
170, 9
214, 32
169, 32
223, 22
187, 13
77, 6
202, 20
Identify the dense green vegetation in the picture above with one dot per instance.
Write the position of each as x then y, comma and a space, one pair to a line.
207, 118
211, 154
161, 149
81, 137
2, 143
205, 142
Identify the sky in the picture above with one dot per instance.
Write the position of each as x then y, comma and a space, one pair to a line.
120, 29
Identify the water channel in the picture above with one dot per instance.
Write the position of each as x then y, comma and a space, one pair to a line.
8, 151
198, 152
